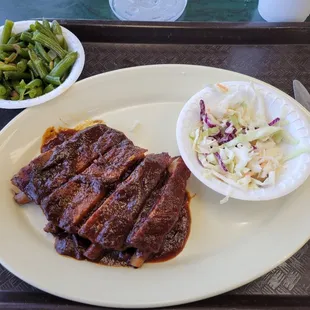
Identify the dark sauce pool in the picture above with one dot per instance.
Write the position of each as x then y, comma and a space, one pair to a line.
173, 245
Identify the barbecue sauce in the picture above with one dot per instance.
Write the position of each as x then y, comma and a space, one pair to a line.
173, 245
55, 136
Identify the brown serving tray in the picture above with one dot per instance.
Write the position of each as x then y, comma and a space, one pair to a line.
274, 53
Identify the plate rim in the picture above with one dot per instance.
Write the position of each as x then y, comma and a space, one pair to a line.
154, 304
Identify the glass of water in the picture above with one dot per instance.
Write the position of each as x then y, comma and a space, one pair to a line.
148, 10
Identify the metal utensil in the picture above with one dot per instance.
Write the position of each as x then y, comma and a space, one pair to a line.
302, 96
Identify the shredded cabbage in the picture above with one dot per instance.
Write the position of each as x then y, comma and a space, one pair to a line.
236, 143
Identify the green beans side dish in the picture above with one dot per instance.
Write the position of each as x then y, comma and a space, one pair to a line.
34, 62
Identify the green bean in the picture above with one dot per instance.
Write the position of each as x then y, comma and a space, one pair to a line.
7, 67
34, 83
41, 68
33, 56
34, 92
56, 28
48, 88
56, 61
21, 92
3, 55
1, 74
10, 58
22, 84
49, 43
7, 47
45, 31
36, 51
60, 39
55, 80
42, 52
23, 52
46, 65
32, 68
32, 27
11, 47
27, 37
16, 75
39, 91
6, 32
3, 90
46, 24
20, 88
32, 75
30, 46
64, 65
22, 65
14, 39
65, 46
38, 64
31, 93
63, 78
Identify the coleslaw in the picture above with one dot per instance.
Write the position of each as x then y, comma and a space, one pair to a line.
236, 143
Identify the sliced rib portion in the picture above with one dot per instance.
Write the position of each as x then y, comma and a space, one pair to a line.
151, 201
53, 137
176, 239
55, 167
110, 138
148, 235
24, 176
94, 252
111, 166
21, 198
51, 228
111, 223
71, 245
67, 206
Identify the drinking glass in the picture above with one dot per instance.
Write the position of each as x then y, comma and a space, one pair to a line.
148, 10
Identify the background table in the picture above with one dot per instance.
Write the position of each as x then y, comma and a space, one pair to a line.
197, 10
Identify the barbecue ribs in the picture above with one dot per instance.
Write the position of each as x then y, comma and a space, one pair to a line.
104, 199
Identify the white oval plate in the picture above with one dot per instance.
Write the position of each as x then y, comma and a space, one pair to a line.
229, 245
74, 44
293, 173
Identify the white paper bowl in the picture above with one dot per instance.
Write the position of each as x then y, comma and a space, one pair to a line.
294, 174
74, 44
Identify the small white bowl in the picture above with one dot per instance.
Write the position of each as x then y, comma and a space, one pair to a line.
74, 44
295, 172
